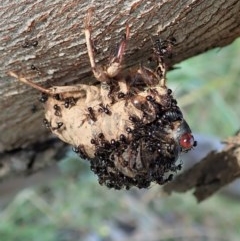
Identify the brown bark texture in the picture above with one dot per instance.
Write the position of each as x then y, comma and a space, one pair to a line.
44, 41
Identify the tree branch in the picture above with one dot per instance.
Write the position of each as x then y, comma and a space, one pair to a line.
60, 56
43, 41
215, 171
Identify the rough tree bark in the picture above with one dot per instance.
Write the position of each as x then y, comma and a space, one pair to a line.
61, 58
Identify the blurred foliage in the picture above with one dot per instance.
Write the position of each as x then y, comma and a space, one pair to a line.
75, 207
80, 209
208, 88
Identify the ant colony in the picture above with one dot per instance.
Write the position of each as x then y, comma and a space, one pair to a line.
129, 127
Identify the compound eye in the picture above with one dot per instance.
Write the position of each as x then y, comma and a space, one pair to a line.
186, 141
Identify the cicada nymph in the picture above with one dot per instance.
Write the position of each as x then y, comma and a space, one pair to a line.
129, 127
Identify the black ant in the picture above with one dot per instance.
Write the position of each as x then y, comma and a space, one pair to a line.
57, 97
135, 120
101, 136
151, 148
33, 67
164, 48
101, 142
34, 109
121, 95
113, 88
135, 145
173, 103
176, 168
69, 102
93, 141
169, 178
28, 44
91, 114
169, 91
128, 130
34, 43
57, 109
46, 123
75, 149
114, 143
80, 151
43, 98
150, 98
59, 125
104, 109
123, 139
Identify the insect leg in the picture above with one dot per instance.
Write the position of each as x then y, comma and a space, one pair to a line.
115, 63
30, 83
98, 71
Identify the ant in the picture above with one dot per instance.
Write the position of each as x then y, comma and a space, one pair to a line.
28, 44
57, 97
114, 143
91, 114
80, 151
34, 43
43, 98
101, 136
123, 139
135, 120
176, 168
104, 109
69, 102
121, 95
46, 123
164, 48
34, 109
57, 109
33, 67
59, 125
168, 179
128, 130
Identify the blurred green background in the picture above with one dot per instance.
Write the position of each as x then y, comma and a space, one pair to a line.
75, 207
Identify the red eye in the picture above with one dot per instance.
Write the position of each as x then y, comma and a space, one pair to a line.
186, 141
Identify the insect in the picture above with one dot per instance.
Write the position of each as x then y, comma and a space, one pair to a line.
138, 131
121, 95
164, 48
69, 102
57, 109
104, 109
33, 67
34, 108
59, 125
28, 44
184, 137
187, 142
34, 43
43, 98
91, 114
46, 123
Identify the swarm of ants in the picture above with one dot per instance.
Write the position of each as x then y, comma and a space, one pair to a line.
129, 127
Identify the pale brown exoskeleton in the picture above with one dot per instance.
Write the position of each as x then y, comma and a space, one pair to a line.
131, 134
